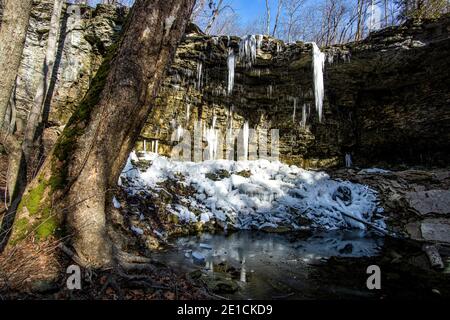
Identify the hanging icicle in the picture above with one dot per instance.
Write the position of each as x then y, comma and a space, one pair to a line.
318, 66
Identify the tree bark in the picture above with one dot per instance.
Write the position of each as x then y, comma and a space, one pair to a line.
16, 15
72, 189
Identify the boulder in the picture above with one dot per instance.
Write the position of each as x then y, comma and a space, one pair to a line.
428, 202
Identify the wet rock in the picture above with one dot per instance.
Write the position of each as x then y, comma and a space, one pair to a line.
244, 173
436, 230
218, 175
427, 202
343, 193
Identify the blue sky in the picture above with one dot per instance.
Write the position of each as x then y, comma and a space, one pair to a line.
249, 10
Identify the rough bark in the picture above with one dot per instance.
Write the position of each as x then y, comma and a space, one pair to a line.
71, 192
15, 18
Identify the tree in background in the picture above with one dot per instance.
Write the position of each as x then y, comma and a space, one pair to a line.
422, 9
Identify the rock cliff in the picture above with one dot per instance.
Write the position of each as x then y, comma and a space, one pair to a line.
386, 98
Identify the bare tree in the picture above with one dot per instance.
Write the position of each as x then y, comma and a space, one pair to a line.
277, 18
16, 15
216, 10
267, 32
292, 9
91, 152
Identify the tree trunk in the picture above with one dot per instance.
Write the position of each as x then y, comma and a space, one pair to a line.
214, 16
277, 18
35, 115
267, 18
71, 195
16, 15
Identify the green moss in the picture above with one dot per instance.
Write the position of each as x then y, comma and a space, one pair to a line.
47, 228
21, 228
32, 200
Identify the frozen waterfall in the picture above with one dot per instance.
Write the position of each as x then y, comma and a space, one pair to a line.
318, 66
231, 62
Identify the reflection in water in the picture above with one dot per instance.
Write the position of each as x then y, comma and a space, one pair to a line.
268, 264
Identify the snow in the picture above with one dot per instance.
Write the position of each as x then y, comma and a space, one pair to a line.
275, 194
231, 62
116, 203
137, 230
318, 66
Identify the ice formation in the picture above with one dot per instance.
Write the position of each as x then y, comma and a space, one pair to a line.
199, 74
318, 66
304, 116
212, 137
231, 62
271, 195
248, 49
348, 160
295, 110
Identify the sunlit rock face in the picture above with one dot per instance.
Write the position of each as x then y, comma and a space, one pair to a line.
85, 34
386, 98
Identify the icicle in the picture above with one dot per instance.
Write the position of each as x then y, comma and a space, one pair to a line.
188, 112
156, 146
211, 137
295, 109
179, 132
215, 40
245, 136
318, 66
303, 123
145, 145
330, 58
247, 50
348, 160
199, 74
231, 62
269, 91
259, 41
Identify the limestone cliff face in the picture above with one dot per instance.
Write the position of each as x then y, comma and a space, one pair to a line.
386, 98
84, 36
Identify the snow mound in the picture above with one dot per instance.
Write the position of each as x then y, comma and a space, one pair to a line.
254, 194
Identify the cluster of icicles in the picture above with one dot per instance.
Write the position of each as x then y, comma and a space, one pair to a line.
248, 50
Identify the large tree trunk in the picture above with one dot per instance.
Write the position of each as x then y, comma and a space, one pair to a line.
15, 18
71, 193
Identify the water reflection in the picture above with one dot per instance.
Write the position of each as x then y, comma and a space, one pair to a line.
267, 264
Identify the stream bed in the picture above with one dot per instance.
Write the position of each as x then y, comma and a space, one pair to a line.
258, 265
